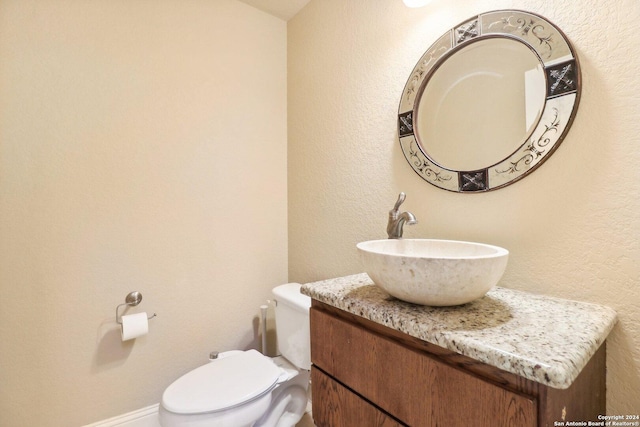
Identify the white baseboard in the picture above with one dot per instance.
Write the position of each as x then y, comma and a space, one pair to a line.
145, 417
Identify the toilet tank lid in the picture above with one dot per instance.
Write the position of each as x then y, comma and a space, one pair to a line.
290, 293
222, 384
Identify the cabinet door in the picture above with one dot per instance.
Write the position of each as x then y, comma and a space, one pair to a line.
336, 406
412, 386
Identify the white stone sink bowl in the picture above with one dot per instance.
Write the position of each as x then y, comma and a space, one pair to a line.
433, 272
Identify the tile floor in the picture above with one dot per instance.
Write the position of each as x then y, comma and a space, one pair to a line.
306, 421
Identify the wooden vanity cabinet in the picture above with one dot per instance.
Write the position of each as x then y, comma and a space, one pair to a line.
365, 375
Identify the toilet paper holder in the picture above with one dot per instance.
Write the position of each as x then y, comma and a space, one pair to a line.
132, 299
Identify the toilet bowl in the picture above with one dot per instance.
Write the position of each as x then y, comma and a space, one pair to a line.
246, 388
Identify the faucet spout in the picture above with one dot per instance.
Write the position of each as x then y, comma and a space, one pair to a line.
398, 219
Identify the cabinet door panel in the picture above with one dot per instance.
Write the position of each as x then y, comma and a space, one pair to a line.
336, 406
417, 389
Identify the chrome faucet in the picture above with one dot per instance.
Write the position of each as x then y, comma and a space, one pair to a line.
397, 219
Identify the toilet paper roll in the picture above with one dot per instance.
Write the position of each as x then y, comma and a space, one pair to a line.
134, 326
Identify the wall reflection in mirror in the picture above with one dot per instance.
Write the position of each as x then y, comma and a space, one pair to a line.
489, 101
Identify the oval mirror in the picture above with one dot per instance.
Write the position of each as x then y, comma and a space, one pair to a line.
489, 101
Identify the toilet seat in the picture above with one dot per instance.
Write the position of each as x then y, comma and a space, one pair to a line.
222, 384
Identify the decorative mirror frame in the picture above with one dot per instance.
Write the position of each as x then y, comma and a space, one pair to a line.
562, 76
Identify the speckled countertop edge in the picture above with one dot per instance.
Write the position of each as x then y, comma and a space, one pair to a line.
545, 339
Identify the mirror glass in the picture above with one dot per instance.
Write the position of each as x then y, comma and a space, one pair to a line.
480, 104
489, 101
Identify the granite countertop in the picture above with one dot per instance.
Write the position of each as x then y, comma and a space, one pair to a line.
544, 339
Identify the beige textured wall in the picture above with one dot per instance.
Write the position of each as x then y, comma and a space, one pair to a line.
142, 147
573, 227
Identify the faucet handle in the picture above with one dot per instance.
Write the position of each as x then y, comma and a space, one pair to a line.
397, 219
400, 201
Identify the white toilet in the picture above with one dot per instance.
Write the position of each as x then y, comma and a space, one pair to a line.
246, 388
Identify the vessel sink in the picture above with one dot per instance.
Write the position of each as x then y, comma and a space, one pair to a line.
433, 272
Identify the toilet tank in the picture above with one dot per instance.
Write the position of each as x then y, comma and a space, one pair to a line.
292, 324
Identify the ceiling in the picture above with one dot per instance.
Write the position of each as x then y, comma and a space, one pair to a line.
284, 9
